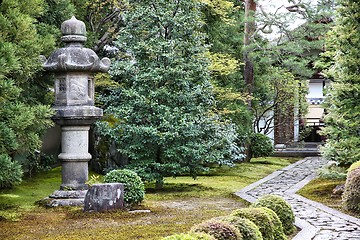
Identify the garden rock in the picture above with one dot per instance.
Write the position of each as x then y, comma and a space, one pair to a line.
104, 197
338, 190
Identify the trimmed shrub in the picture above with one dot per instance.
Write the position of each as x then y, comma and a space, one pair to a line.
281, 208
261, 219
190, 236
10, 172
220, 230
247, 228
261, 145
354, 166
351, 196
134, 189
278, 228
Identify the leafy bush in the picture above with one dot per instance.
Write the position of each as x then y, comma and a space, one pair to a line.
282, 209
218, 229
261, 145
10, 172
351, 196
190, 236
332, 171
261, 219
278, 228
134, 189
247, 228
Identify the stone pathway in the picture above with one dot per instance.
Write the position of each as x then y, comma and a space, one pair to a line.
317, 221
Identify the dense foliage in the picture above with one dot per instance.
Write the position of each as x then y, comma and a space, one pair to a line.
22, 116
219, 229
282, 209
247, 228
134, 189
351, 196
261, 145
10, 172
261, 219
275, 221
343, 119
163, 109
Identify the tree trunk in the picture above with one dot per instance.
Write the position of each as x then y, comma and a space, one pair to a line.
250, 9
249, 30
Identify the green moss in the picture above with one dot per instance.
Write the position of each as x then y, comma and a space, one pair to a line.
221, 181
320, 190
182, 204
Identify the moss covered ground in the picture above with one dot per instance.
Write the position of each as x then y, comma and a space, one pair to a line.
182, 203
320, 190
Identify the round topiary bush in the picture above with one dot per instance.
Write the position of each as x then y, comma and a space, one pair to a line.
218, 229
190, 236
261, 145
247, 228
351, 195
10, 172
278, 228
134, 189
281, 208
354, 166
261, 219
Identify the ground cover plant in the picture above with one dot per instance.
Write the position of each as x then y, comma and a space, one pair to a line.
181, 204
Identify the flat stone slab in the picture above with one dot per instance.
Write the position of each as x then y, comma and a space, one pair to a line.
61, 198
104, 197
318, 222
68, 194
73, 202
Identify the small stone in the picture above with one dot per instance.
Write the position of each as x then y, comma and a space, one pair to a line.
338, 190
140, 211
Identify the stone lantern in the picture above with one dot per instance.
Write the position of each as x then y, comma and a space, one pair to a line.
74, 67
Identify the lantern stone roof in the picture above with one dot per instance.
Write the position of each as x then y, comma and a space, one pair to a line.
74, 56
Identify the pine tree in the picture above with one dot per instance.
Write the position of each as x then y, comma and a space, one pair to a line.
22, 119
164, 120
343, 120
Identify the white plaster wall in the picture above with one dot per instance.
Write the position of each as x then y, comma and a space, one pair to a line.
315, 90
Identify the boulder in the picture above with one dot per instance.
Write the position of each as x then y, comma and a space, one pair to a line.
104, 197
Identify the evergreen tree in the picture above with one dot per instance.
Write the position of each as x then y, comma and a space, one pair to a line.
343, 121
225, 32
22, 119
163, 112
